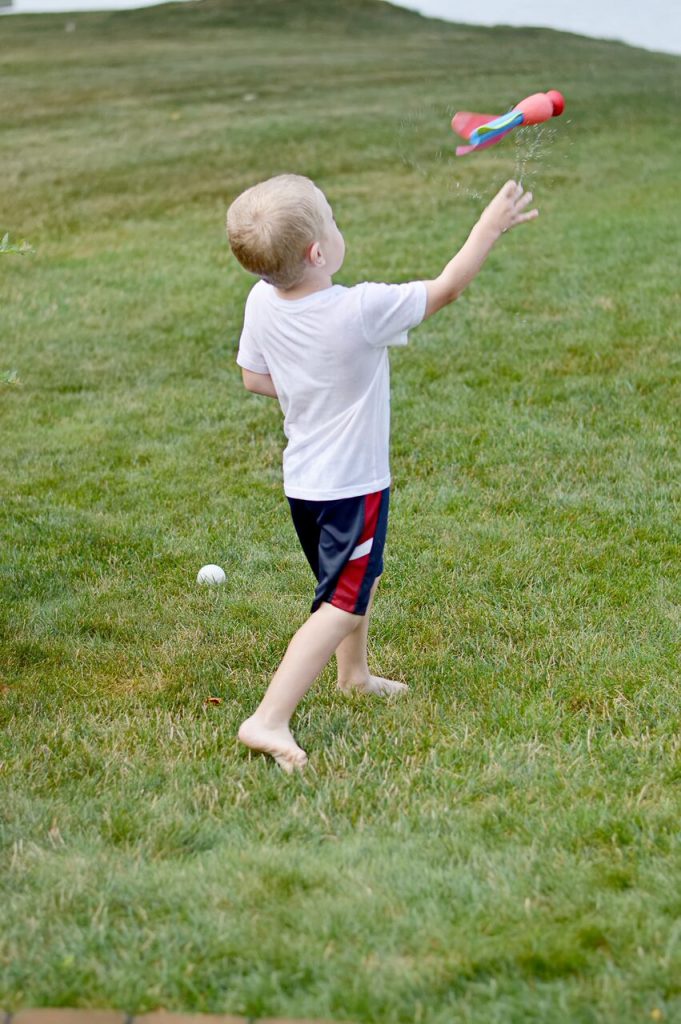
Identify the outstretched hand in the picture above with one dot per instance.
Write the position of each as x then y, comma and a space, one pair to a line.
508, 207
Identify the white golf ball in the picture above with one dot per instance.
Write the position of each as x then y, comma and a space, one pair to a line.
211, 574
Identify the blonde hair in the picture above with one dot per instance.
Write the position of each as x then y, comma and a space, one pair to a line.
271, 225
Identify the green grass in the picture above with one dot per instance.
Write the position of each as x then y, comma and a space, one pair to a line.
503, 846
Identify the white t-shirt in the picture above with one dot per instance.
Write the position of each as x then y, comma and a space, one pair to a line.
327, 354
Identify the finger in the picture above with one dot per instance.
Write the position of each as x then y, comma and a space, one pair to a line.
524, 201
523, 217
510, 189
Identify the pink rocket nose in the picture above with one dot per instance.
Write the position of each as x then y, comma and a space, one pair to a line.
536, 108
558, 101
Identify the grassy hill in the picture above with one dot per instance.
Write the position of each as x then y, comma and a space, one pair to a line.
503, 845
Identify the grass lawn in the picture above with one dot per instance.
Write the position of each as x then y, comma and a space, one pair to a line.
503, 845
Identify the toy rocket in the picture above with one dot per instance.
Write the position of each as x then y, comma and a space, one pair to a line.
483, 130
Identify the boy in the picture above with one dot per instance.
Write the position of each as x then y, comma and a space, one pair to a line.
322, 350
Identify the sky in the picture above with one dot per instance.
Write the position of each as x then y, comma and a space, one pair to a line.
654, 24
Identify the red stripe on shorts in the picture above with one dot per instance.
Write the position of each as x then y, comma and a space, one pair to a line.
350, 581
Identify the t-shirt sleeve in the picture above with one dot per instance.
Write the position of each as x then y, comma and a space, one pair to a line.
389, 311
250, 355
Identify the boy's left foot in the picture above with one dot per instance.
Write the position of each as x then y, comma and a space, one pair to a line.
278, 743
375, 685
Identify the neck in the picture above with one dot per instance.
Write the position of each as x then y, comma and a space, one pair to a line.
306, 287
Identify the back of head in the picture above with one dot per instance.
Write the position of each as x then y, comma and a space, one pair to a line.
271, 225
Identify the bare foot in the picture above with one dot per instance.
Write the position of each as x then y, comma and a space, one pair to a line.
375, 685
279, 743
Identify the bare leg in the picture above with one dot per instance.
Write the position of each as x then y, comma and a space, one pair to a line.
308, 652
353, 665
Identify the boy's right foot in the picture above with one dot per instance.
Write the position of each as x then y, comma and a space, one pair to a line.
278, 743
375, 685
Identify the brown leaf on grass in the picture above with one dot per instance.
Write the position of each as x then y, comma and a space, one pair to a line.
55, 835
213, 700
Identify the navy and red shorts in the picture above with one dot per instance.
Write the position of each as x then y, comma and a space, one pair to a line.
343, 541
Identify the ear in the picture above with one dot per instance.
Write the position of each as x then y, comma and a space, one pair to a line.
315, 256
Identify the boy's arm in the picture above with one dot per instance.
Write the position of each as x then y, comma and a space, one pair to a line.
504, 212
259, 383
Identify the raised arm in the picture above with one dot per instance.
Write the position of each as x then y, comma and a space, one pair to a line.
505, 211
